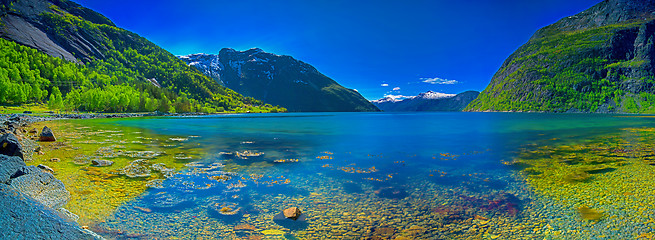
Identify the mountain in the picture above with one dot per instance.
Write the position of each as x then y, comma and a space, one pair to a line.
278, 80
428, 101
106, 68
600, 60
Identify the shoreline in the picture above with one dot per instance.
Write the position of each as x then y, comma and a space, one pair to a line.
35, 197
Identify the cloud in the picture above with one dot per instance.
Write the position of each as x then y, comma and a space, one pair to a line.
396, 89
384, 85
437, 80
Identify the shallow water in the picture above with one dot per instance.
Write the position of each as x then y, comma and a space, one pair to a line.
364, 175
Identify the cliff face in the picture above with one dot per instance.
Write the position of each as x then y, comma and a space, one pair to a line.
601, 60
278, 80
25, 23
428, 102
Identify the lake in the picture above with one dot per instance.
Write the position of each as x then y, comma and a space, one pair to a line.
361, 175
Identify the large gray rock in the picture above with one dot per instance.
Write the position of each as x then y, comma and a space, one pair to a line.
9, 165
47, 135
22, 217
40, 185
10, 146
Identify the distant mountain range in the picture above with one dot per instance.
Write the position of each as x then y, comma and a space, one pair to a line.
600, 60
428, 101
278, 80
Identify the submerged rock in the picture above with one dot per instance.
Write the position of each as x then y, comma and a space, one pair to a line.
47, 135
590, 214
299, 223
10, 146
392, 193
165, 200
101, 162
247, 154
137, 168
225, 208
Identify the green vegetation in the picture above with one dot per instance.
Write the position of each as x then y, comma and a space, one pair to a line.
567, 71
117, 76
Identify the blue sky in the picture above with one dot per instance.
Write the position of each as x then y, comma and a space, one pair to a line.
411, 46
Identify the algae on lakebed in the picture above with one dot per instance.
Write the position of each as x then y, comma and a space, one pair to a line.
97, 191
606, 179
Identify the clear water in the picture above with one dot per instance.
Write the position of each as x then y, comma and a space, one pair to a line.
391, 176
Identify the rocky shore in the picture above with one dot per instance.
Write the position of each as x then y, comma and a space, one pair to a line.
32, 197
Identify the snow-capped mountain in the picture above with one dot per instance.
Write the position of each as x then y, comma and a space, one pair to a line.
427, 101
278, 80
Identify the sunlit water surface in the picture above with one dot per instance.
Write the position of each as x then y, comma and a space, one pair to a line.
362, 175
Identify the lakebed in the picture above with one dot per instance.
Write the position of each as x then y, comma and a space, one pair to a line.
377, 176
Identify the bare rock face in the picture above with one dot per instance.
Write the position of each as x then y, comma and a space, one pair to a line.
47, 135
26, 24
607, 50
9, 166
602, 14
292, 213
24, 218
40, 185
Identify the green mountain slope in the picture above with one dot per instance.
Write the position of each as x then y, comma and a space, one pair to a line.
601, 60
101, 58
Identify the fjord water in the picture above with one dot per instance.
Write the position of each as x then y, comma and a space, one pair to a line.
384, 176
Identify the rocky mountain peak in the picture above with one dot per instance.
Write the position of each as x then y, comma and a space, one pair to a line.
278, 80
604, 13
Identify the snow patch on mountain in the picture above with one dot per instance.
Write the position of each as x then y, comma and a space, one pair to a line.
434, 95
425, 95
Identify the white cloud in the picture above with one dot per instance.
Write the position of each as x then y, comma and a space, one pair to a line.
384, 85
437, 80
396, 89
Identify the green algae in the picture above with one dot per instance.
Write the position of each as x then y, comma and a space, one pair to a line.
603, 178
97, 191
590, 214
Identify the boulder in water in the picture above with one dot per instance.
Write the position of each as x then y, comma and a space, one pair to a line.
292, 213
